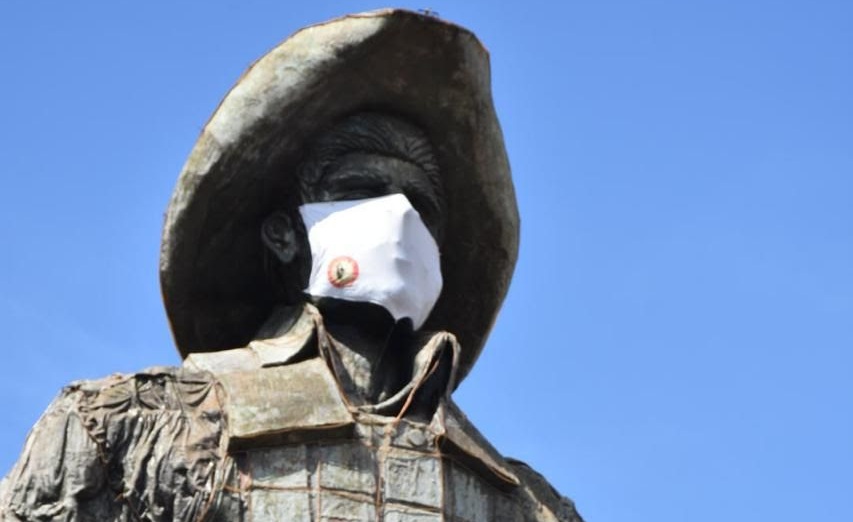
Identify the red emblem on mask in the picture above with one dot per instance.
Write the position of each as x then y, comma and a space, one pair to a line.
343, 271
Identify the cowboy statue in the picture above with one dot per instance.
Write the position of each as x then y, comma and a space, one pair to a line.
334, 255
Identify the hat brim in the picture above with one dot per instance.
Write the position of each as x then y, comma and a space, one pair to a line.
243, 167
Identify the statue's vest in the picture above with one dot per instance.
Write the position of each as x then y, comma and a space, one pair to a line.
298, 453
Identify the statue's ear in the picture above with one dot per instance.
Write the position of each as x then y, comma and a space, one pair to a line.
278, 233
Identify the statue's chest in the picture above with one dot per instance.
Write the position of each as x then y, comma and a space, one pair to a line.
372, 477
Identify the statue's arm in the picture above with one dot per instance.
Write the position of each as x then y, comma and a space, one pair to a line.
59, 471
145, 446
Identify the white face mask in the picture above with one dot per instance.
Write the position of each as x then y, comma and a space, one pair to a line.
374, 250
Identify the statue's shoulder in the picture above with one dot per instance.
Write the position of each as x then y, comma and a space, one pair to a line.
154, 395
99, 405
540, 493
90, 454
539, 500
163, 381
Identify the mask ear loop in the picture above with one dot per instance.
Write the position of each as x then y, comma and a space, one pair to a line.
436, 349
415, 388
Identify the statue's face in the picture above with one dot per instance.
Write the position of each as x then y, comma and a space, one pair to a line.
365, 175
344, 165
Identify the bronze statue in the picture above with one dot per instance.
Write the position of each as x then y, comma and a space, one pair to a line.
334, 254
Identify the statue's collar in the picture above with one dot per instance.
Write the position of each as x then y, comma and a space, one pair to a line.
297, 344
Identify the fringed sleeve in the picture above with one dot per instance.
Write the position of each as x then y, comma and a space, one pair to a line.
146, 446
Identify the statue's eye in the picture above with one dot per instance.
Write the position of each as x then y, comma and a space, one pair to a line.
351, 184
361, 190
358, 194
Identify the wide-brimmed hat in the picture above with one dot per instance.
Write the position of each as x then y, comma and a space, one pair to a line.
244, 166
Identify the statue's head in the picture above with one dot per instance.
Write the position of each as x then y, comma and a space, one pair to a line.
358, 159
389, 102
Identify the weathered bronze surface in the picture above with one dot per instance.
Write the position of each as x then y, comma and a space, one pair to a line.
291, 407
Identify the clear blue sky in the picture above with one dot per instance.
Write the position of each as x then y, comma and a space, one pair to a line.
677, 344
